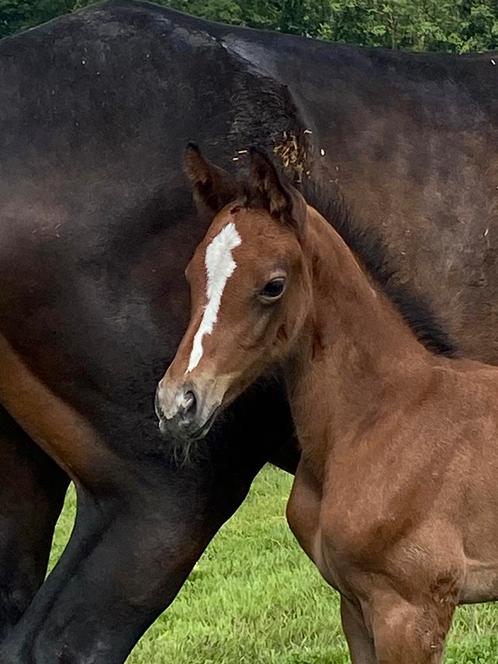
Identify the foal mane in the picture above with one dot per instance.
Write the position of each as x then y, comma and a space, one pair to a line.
373, 253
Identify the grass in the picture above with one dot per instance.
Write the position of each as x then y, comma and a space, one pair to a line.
254, 598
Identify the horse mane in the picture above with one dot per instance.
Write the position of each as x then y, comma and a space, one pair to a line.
373, 253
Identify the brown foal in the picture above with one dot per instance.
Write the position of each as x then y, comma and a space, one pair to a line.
396, 494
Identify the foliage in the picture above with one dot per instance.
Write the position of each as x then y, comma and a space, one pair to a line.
439, 25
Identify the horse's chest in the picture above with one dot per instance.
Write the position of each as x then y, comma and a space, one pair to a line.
337, 526
304, 511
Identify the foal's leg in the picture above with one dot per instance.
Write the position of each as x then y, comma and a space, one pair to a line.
32, 490
410, 633
361, 646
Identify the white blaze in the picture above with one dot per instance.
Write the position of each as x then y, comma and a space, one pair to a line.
219, 268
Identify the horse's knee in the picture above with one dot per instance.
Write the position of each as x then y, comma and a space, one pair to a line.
411, 634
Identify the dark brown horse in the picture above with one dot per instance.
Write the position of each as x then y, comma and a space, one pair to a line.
395, 497
96, 224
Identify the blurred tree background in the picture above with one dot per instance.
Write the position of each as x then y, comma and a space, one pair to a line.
457, 26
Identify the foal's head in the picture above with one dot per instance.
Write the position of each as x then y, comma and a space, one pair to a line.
250, 292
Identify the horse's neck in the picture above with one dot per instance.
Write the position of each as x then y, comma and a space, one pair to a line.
356, 354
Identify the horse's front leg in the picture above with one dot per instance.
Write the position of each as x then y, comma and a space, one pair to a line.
142, 523
360, 642
32, 491
127, 558
410, 632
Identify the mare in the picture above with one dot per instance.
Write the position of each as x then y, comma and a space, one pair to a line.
395, 497
96, 224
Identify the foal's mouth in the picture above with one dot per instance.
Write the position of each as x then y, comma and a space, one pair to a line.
203, 431
169, 428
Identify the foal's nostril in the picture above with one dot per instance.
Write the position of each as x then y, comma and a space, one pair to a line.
188, 405
175, 409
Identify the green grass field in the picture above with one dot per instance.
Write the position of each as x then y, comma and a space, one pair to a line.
254, 598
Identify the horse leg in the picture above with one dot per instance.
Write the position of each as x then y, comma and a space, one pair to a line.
361, 646
142, 521
31, 496
128, 556
410, 633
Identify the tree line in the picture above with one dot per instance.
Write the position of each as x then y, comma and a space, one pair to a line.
457, 26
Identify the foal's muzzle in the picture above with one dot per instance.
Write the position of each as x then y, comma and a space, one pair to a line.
182, 413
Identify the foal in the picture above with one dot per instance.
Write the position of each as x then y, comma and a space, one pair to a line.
396, 495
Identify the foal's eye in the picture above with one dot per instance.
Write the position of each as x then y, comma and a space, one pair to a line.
273, 290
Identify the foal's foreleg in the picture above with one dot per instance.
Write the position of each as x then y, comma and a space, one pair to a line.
361, 646
411, 633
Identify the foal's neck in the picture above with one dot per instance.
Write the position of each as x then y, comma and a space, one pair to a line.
356, 356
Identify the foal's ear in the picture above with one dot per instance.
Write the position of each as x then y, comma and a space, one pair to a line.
280, 198
213, 187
